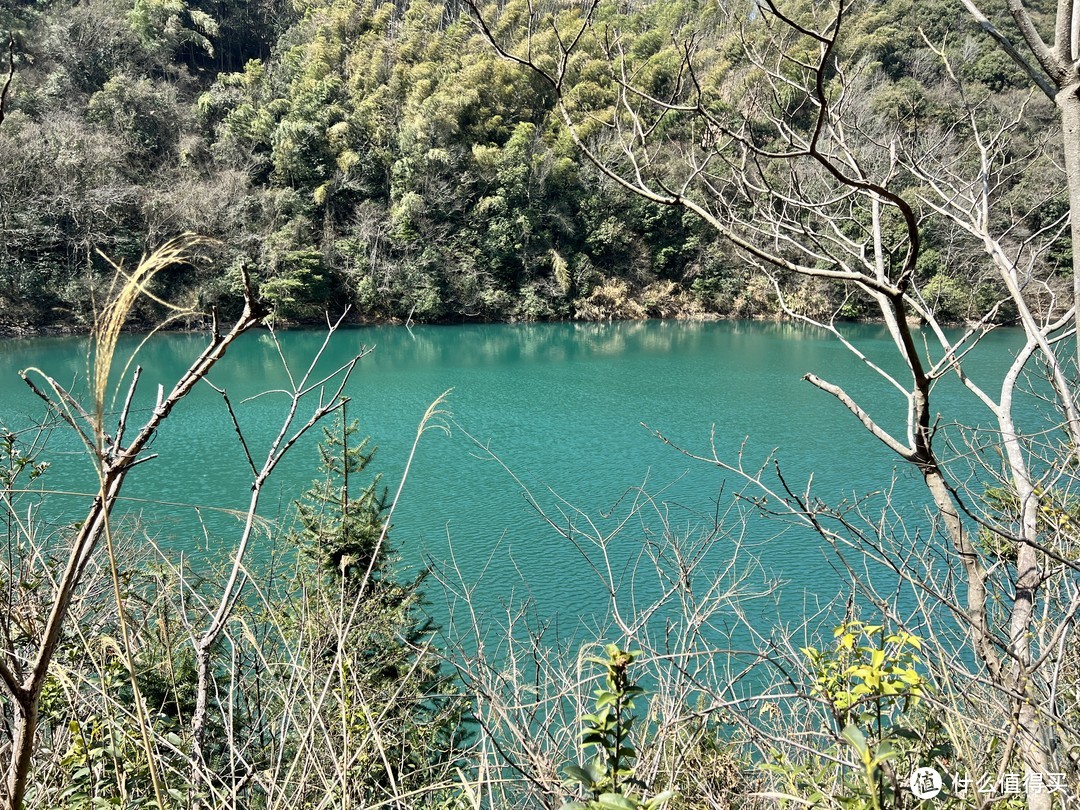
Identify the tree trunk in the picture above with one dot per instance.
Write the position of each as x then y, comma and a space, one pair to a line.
1068, 102
22, 747
198, 724
28, 694
1028, 578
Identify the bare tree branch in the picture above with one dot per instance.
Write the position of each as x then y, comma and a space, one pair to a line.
1038, 78
880, 433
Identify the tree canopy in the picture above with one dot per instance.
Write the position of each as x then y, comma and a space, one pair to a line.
381, 154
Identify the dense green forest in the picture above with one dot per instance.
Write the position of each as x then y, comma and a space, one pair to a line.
381, 154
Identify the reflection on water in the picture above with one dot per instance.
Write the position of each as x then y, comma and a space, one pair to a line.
561, 405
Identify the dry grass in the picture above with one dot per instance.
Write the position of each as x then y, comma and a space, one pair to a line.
124, 291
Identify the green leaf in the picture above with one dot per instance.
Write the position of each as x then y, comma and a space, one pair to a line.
910, 676
616, 801
580, 775
857, 739
884, 753
597, 769
659, 800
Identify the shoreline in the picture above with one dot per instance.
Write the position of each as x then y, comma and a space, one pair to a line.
26, 333
13, 332
21, 332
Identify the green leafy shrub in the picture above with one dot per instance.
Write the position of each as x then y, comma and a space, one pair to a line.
875, 680
609, 776
870, 681
1058, 517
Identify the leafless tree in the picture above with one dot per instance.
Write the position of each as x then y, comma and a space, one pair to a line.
780, 155
1058, 76
114, 456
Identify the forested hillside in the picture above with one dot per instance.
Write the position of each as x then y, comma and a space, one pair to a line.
381, 154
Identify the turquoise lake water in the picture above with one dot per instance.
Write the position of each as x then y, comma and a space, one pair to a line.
562, 407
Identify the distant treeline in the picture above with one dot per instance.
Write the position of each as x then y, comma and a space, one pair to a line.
380, 154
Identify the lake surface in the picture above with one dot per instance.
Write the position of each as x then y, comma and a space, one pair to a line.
562, 407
